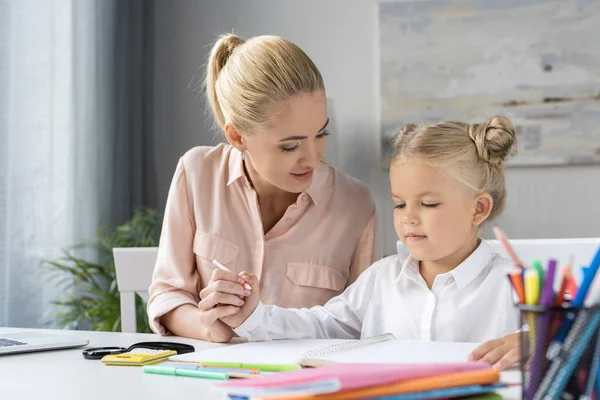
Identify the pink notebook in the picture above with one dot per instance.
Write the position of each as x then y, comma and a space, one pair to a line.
337, 377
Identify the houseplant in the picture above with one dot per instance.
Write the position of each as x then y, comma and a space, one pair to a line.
87, 275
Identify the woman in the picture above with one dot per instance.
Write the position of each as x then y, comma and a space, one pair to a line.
263, 203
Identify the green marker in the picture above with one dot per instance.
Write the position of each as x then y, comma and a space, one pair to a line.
174, 371
260, 367
487, 396
536, 264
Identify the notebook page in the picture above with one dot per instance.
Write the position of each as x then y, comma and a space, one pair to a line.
404, 351
274, 352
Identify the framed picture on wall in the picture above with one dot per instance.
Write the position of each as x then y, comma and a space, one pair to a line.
536, 62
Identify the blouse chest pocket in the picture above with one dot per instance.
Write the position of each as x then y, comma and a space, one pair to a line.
309, 285
209, 247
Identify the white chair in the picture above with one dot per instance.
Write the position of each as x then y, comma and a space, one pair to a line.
134, 267
582, 250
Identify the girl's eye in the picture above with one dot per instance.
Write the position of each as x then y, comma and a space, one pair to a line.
430, 205
290, 149
400, 206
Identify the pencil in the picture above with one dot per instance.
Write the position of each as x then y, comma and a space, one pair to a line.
224, 268
566, 276
503, 239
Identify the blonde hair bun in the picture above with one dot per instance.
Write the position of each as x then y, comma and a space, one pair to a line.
408, 128
495, 139
474, 154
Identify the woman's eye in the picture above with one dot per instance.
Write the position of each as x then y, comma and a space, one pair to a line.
400, 206
322, 135
290, 149
431, 205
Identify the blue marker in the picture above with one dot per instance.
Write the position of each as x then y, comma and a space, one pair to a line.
597, 381
589, 389
588, 276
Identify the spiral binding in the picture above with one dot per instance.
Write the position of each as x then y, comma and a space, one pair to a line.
350, 345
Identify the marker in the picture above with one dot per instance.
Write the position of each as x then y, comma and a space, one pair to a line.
162, 370
260, 367
517, 283
537, 266
211, 369
532, 296
532, 287
224, 268
588, 277
593, 374
547, 295
542, 325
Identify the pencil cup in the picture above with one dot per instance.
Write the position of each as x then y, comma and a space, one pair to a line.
560, 355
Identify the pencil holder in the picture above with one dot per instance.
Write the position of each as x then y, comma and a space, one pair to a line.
560, 352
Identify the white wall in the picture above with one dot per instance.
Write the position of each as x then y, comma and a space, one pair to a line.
342, 38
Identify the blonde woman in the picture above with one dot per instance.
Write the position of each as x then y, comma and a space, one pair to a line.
263, 203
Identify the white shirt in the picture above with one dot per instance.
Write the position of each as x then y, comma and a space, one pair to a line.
471, 303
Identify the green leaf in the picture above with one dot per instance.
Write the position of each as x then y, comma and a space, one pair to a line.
97, 306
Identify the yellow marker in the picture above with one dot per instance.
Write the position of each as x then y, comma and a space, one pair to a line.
532, 296
532, 287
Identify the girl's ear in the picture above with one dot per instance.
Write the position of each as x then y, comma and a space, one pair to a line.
483, 208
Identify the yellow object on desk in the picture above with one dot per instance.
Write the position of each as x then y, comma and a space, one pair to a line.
532, 297
138, 357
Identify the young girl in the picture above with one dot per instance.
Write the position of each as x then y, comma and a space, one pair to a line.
446, 179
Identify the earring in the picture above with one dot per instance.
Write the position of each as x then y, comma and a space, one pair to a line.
243, 156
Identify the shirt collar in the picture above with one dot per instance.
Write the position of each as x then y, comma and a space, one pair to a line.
236, 166
315, 191
472, 266
319, 182
463, 274
410, 269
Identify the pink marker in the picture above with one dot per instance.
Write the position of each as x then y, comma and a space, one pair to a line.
224, 268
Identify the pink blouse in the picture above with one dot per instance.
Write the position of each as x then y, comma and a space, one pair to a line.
319, 247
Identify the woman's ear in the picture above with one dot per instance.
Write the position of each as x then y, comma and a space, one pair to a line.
234, 137
483, 208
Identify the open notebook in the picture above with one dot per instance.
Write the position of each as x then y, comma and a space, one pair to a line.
379, 349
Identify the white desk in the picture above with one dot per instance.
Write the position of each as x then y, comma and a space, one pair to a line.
66, 375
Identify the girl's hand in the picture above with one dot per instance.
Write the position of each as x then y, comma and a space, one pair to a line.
500, 353
250, 303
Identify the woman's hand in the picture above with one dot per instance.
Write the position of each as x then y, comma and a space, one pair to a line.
500, 353
223, 296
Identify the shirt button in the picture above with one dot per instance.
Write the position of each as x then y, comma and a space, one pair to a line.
288, 220
303, 197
